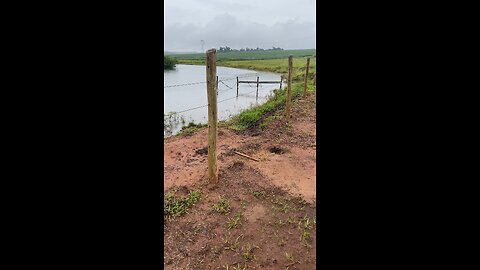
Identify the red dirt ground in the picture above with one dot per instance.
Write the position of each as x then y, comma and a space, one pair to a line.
272, 222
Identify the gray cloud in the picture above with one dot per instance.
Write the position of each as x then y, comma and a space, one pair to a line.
227, 30
246, 23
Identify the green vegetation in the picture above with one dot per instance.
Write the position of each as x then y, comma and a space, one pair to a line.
250, 55
174, 206
251, 116
275, 61
191, 128
222, 206
169, 62
233, 223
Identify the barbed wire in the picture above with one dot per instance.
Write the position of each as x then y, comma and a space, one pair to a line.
171, 114
185, 84
245, 75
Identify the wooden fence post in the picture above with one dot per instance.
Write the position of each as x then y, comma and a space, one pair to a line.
217, 85
306, 78
289, 86
237, 86
212, 117
258, 79
281, 79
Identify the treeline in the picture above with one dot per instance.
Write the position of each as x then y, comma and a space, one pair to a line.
228, 49
169, 62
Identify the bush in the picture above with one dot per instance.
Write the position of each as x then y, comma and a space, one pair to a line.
169, 62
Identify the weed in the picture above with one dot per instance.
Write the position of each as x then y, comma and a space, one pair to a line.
290, 220
248, 252
306, 223
174, 206
243, 204
301, 201
289, 257
240, 268
234, 246
259, 194
233, 223
280, 223
222, 206
304, 237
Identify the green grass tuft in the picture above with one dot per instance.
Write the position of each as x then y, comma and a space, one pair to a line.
174, 206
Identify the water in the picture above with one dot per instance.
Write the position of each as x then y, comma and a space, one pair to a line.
186, 103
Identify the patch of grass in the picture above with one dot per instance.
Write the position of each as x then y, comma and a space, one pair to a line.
222, 206
234, 222
245, 267
259, 194
248, 252
191, 128
251, 116
234, 246
304, 237
306, 223
174, 206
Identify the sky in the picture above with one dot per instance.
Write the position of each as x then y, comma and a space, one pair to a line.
238, 24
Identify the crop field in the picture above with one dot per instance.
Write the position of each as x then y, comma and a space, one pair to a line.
250, 55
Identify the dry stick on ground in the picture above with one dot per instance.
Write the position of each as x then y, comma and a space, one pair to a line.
243, 155
212, 117
306, 78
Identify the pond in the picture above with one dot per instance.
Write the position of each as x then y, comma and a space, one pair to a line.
185, 94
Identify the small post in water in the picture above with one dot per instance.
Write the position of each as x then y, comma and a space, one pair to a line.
258, 79
212, 117
217, 85
306, 78
237, 86
281, 80
289, 86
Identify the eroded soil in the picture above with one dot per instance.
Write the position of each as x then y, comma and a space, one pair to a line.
275, 196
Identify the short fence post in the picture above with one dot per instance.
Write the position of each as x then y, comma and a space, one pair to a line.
289, 86
258, 79
306, 78
237, 86
212, 117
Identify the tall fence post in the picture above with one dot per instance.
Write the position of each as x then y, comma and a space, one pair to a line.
212, 117
306, 78
258, 79
289, 86
237, 86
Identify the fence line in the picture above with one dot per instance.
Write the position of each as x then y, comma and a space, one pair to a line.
223, 100
245, 75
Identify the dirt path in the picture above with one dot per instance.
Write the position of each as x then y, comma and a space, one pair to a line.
273, 200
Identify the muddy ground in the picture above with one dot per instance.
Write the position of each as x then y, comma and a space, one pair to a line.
272, 201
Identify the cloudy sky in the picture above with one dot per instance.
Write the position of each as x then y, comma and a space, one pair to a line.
238, 23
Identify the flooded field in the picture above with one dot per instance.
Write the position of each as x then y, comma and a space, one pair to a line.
185, 93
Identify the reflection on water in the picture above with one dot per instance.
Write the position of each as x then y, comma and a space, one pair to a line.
185, 93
